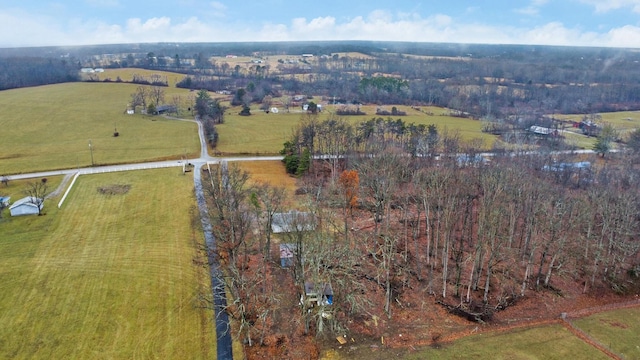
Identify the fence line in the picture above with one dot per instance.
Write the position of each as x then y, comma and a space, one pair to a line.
68, 190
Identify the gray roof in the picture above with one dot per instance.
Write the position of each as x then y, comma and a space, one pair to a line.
27, 201
292, 221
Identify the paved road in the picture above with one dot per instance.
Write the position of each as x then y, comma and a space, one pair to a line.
223, 330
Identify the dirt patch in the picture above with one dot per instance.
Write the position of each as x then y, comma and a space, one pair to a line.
114, 189
614, 324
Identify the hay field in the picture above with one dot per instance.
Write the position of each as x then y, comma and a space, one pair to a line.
547, 342
618, 330
107, 276
49, 127
263, 133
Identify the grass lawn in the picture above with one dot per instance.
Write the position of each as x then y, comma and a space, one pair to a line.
263, 133
107, 276
49, 127
547, 342
16, 190
617, 330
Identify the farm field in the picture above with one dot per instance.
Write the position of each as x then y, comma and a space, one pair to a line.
126, 74
263, 133
544, 342
49, 127
617, 330
547, 342
114, 274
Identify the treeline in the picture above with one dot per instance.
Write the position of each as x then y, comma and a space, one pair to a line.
17, 72
533, 82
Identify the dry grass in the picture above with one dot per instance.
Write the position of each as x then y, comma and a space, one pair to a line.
126, 74
49, 127
263, 133
618, 330
107, 277
548, 342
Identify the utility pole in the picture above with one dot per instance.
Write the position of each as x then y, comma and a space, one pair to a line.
91, 150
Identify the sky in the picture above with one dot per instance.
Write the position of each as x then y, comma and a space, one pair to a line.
608, 23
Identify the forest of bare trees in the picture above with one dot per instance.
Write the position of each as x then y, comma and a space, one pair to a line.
476, 237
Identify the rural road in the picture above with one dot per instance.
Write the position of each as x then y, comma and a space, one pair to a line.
223, 329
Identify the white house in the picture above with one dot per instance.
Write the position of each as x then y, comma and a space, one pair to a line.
26, 206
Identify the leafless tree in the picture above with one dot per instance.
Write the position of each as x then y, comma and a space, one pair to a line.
36, 191
156, 94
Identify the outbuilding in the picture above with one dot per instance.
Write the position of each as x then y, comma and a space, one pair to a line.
292, 221
27, 206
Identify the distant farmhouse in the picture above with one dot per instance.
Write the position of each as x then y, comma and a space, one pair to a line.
26, 206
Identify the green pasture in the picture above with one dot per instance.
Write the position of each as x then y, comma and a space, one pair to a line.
547, 342
263, 133
618, 330
49, 127
107, 276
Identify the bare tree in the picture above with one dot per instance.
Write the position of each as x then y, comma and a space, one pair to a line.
139, 97
36, 191
157, 95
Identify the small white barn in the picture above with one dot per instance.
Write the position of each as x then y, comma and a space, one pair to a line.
26, 206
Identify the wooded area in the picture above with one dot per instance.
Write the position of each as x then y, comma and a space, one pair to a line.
390, 227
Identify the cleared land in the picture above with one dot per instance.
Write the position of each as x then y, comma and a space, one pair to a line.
49, 127
617, 330
112, 275
548, 342
263, 133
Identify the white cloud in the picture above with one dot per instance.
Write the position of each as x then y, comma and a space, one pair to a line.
218, 9
533, 9
378, 25
602, 6
103, 3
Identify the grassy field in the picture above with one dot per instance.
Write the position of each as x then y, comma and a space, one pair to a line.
548, 342
49, 127
16, 190
263, 133
618, 330
271, 172
107, 276
126, 74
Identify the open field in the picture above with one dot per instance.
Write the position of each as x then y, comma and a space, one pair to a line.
271, 172
547, 342
107, 276
126, 74
49, 127
263, 133
617, 330
623, 121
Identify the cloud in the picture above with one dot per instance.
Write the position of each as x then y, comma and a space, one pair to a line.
377, 25
609, 5
533, 8
218, 9
103, 3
